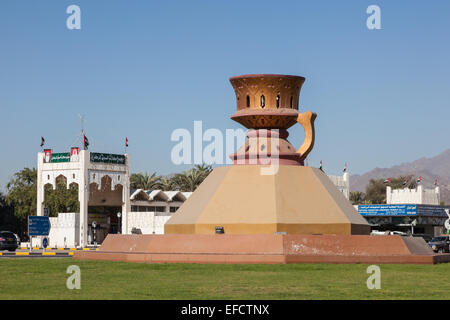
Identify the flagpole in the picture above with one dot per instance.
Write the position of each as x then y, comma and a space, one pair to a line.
83, 138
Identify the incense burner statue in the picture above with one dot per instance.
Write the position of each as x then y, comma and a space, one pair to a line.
267, 104
245, 199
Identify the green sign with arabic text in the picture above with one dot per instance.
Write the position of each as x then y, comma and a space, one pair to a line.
107, 158
60, 157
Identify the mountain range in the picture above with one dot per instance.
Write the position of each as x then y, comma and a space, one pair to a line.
428, 168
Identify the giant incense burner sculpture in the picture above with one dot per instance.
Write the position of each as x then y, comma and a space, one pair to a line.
268, 105
250, 198
268, 206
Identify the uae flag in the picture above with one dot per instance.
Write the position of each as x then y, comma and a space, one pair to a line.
42, 141
345, 167
405, 182
419, 180
85, 142
436, 182
74, 154
388, 180
321, 167
126, 142
48, 155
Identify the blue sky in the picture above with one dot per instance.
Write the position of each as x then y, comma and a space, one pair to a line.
140, 69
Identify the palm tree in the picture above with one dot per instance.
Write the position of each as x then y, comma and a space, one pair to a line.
145, 181
167, 184
190, 179
203, 169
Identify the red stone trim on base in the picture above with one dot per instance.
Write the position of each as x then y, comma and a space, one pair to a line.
264, 249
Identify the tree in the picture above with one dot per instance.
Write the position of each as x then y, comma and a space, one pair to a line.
62, 199
8, 221
167, 184
22, 193
20, 202
397, 183
2, 202
356, 197
190, 179
21, 199
145, 181
204, 169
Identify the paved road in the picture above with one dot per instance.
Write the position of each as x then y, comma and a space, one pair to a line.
33, 254
41, 253
54, 249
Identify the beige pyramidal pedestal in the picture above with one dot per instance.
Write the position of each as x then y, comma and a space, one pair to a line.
295, 200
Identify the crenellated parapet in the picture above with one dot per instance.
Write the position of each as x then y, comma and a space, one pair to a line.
419, 195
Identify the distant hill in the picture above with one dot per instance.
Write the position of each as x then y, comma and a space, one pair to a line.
428, 168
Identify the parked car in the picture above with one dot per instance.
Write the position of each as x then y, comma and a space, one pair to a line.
425, 237
8, 241
397, 233
440, 244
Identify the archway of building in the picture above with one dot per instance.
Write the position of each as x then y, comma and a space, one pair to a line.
62, 198
104, 205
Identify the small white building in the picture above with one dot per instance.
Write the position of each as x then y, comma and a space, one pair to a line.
64, 230
419, 195
150, 209
342, 183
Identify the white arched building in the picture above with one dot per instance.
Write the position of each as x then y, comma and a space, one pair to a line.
104, 196
103, 191
150, 209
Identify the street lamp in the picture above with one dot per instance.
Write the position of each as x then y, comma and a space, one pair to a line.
413, 224
118, 222
447, 222
94, 225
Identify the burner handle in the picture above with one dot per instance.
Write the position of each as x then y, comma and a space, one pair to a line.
306, 120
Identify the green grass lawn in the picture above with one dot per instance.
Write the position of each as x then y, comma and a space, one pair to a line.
27, 278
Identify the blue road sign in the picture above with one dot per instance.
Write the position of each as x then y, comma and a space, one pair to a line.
392, 210
388, 210
38, 226
45, 243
